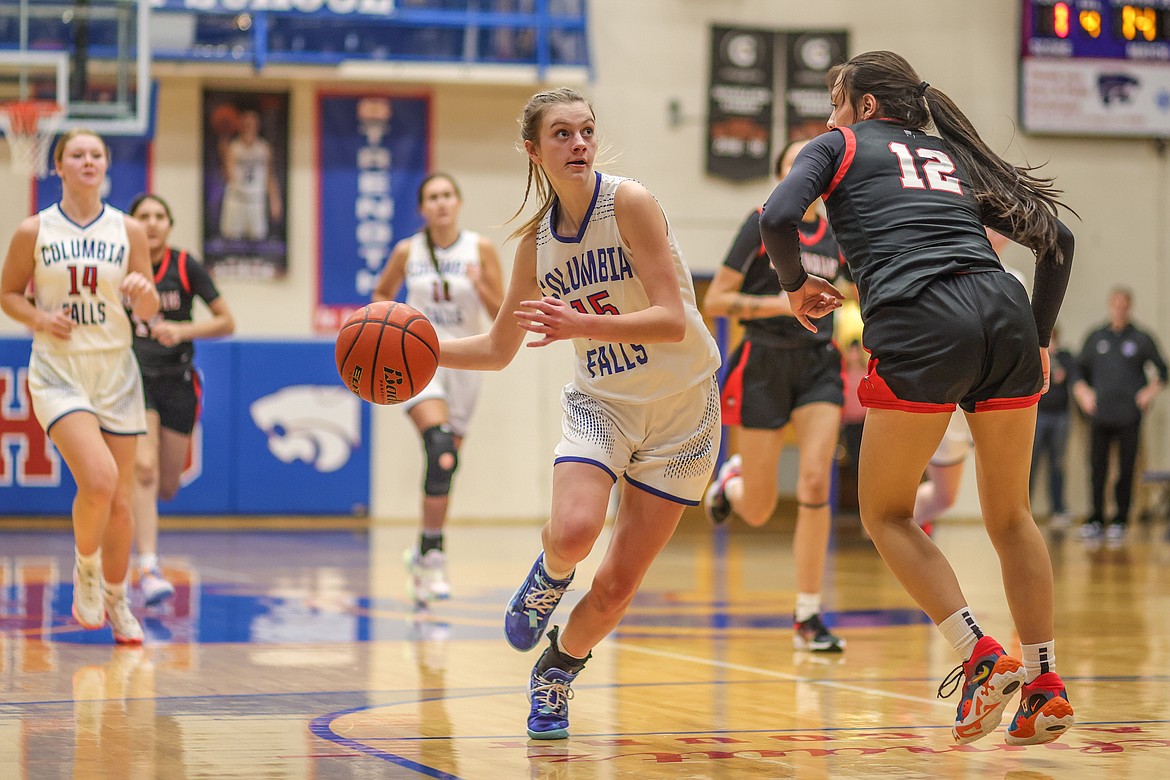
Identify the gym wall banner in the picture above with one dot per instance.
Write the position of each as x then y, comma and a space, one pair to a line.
245, 184
739, 103
373, 151
742, 110
270, 441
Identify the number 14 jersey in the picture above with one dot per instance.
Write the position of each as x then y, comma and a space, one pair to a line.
79, 269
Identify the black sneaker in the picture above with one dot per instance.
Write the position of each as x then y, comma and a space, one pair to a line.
812, 635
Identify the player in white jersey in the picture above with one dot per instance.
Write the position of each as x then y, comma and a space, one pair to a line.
85, 261
252, 194
453, 277
598, 264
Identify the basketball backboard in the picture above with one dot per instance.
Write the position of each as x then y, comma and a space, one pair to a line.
91, 57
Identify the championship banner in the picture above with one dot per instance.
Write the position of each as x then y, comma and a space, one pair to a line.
373, 152
128, 175
739, 103
807, 101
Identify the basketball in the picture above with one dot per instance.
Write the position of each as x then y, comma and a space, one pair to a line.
387, 352
225, 120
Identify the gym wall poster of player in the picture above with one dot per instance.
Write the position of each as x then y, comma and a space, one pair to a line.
245, 184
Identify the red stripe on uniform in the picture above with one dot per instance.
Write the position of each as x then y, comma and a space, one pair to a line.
846, 161
162, 267
731, 400
874, 393
998, 404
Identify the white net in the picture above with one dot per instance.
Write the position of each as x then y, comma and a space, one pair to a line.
29, 127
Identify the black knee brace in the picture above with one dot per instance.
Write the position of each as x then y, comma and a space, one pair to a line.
439, 441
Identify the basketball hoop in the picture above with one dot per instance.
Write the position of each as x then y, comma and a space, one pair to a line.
30, 126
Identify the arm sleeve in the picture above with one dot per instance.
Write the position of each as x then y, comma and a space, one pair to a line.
746, 247
1051, 279
1156, 358
1072, 368
1085, 359
201, 283
811, 173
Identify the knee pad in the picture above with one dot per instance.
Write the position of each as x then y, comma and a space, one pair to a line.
442, 459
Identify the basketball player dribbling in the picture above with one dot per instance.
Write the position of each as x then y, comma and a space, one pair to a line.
598, 265
946, 326
453, 277
84, 259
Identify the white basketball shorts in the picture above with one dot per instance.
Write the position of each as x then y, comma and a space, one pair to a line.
106, 383
667, 447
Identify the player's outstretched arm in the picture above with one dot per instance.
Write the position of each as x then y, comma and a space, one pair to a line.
495, 349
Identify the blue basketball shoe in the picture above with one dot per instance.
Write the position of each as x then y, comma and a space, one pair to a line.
548, 695
532, 605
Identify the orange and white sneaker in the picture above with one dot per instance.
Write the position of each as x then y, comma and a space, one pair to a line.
990, 676
1044, 714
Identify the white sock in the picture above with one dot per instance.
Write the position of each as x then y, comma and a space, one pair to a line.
963, 633
807, 605
115, 591
1038, 659
556, 575
147, 561
90, 562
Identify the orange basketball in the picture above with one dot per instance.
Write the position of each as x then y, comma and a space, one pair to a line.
225, 120
387, 352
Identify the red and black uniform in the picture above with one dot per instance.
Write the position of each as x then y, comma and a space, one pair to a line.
780, 365
170, 380
945, 325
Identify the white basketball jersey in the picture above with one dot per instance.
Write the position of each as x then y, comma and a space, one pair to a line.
80, 268
250, 163
596, 272
446, 295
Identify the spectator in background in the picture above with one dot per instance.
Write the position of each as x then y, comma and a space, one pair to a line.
1114, 392
1052, 428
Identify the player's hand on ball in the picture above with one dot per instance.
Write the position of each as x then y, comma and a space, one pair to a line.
549, 317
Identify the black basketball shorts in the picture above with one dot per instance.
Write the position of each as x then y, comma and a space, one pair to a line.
177, 397
967, 340
766, 383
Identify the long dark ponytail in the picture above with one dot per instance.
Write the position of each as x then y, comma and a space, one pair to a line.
1013, 193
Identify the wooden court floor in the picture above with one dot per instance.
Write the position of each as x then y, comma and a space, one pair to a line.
295, 654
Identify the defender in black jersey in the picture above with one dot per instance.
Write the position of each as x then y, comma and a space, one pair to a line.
945, 325
781, 373
165, 351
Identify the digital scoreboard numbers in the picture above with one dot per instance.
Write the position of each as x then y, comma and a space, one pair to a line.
1095, 67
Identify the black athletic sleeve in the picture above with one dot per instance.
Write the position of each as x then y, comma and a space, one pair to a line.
810, 176
201, 282
1051, 279
1155, 356
746, 247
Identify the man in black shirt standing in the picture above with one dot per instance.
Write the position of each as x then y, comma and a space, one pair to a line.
1114, 392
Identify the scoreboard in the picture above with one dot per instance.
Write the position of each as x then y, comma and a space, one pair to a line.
1095, 67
